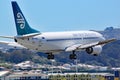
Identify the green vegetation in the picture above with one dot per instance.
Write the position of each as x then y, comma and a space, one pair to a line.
17, 56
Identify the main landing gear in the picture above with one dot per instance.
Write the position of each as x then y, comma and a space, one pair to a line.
73, 56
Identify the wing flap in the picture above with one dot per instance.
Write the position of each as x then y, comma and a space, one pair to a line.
88, 45
72, 48
106, 41
84, 46
96, 43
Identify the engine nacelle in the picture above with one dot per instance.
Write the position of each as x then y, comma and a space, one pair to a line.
94, 50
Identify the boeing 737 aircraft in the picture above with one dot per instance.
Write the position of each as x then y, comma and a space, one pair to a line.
54, 42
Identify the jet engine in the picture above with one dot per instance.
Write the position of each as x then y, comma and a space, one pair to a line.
94, 50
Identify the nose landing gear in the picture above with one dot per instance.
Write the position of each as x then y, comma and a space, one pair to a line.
73, 56
50, 56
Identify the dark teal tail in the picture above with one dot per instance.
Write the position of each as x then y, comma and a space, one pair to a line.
22, 25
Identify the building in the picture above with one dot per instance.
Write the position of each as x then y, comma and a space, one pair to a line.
39, 75
3, 74
81, 76
26, 65
29, 75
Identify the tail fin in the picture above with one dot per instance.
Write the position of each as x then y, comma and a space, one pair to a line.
22, 25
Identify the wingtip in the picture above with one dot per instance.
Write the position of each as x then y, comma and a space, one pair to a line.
113, 39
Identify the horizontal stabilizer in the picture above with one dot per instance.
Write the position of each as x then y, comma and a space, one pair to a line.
22, 36
10, 37
28, 35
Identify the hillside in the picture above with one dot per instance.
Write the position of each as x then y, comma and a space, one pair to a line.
111, 32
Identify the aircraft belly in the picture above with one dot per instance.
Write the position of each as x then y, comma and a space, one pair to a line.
57, 45
45, 46
52, 45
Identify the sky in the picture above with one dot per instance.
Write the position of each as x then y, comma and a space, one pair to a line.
61, 15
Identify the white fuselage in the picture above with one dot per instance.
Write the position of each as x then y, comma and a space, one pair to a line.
59, 41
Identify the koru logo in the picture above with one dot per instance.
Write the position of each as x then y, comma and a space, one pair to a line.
20, 20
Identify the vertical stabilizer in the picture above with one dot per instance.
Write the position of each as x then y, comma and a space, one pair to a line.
22, 25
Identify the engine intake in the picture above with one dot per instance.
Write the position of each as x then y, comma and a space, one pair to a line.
94, 50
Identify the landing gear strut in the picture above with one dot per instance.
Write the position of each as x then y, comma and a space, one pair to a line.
73, 55
50, 56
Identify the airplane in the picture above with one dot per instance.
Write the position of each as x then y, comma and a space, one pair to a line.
55, 42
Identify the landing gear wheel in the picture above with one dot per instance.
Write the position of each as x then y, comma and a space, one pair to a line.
50, 56
73, 55
89, 50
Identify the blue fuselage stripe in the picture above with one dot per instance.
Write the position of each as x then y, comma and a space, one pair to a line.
73, 39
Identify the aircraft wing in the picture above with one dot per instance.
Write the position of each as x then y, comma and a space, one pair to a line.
6, 44
84, 46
